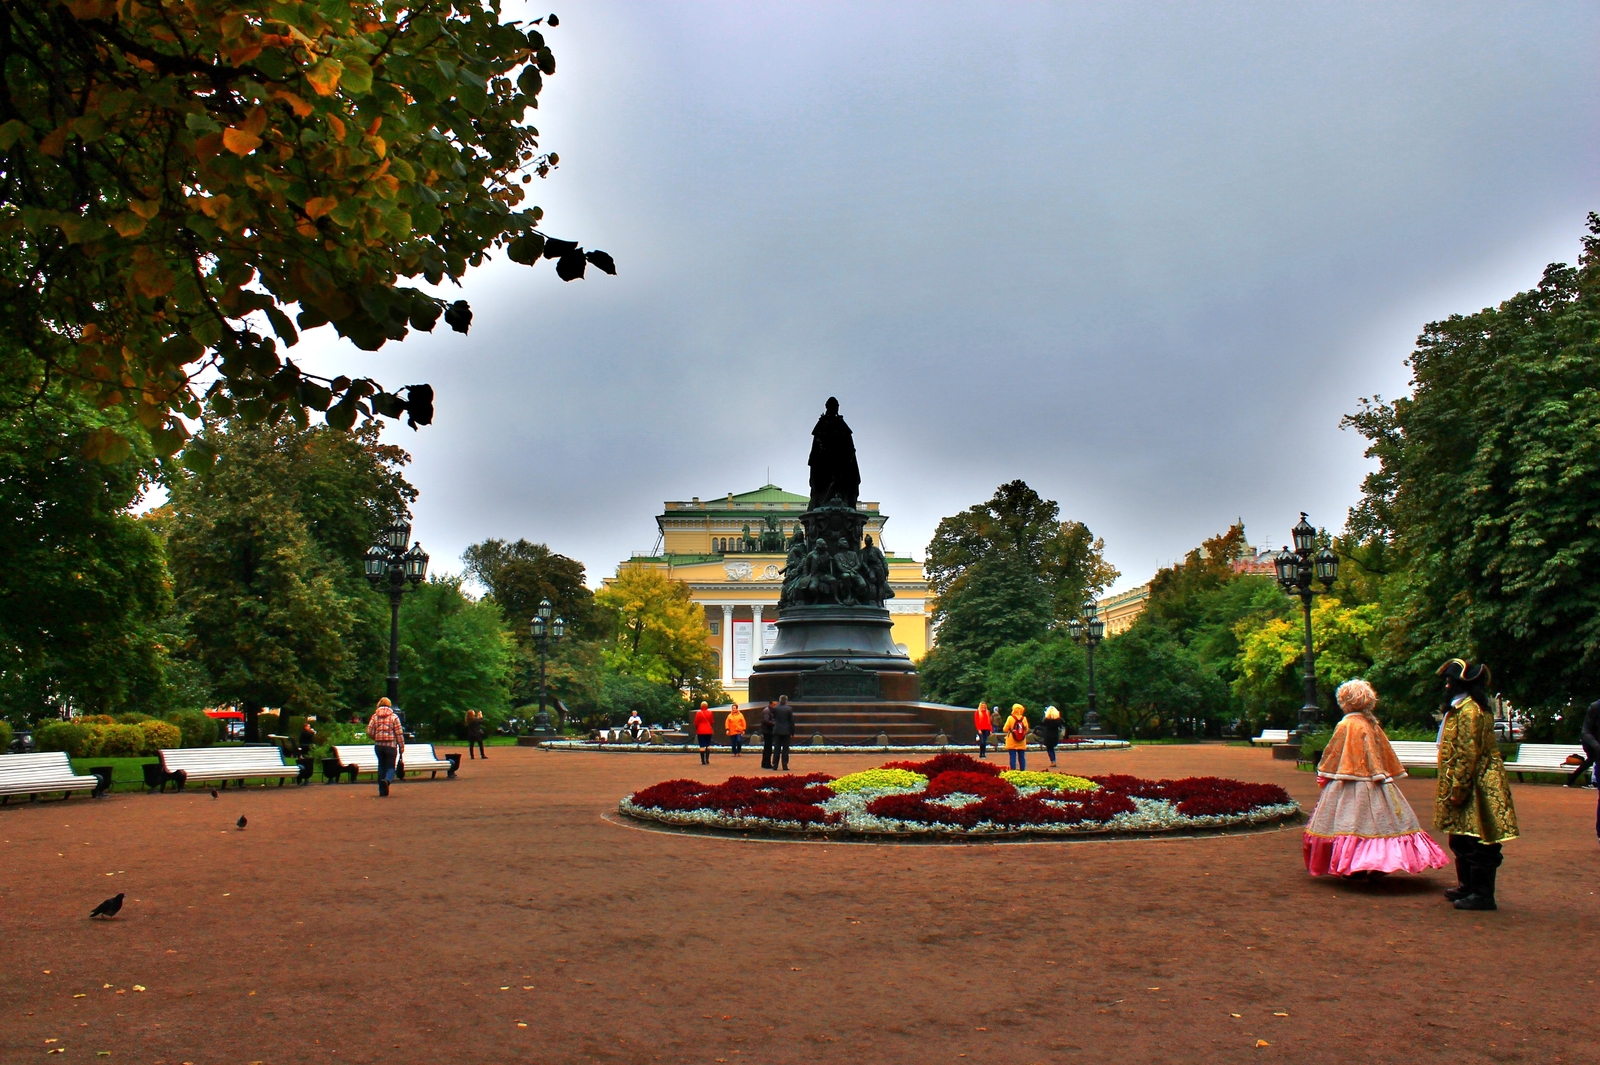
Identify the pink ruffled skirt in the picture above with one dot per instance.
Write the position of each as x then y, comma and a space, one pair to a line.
1360, 826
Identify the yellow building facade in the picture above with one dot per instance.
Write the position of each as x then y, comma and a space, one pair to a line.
715, 546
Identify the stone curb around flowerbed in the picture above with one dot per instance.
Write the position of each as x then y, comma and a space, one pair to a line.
755, 749
710, 823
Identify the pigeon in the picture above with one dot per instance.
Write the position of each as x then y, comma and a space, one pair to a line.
109, 907
214, 793
242, 822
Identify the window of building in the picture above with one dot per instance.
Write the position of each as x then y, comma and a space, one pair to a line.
716, 628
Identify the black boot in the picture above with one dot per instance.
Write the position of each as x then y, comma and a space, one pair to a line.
1482, 897
1463, 888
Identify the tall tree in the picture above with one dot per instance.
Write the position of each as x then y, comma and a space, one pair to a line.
1153, 685
1488, 472
519, 575
659, 632
455, 656
173, 172
1063, 555
1270, 669
84, 587
265, 549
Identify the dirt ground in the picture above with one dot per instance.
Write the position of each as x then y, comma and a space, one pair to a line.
434, 925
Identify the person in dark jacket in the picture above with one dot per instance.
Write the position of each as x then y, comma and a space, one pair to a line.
1591, 748
766, 733
782, 732
1049, 732
476, 730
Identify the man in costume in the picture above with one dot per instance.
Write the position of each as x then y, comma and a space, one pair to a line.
1473, 803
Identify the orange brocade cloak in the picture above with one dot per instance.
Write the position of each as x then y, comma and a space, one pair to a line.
1359, 751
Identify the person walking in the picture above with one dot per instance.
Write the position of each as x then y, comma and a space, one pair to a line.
782, 732
1590, 738
703, 729
734, 727
1017, 737
1050, 730
476, 730
1473, 801
1362, 824
767, 720
984, 726
388, 740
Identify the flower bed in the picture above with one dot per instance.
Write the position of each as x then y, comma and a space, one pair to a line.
957, 795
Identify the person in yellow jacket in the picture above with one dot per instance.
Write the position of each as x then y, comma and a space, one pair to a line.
1473, 801
1017, 737
734, 726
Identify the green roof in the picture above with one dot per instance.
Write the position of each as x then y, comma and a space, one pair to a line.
769, 493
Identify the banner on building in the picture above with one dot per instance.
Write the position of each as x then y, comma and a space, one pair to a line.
769, 636
743, 634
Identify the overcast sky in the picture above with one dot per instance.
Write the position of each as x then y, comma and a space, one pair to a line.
1142, 256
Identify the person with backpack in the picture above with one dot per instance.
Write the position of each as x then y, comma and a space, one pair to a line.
984, 726
1017, 737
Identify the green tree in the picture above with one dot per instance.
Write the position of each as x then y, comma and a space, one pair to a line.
1484, 492
265, 549
173, 172
659, 632
1152, 685
1271, 662
519, 575
1049, 671
84, 587
1064, 556
1000, 602
455, 656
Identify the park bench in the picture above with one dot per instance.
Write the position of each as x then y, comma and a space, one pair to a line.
1544, 758
223, 764
39, 774
417, 757
1272, 735
1419, 753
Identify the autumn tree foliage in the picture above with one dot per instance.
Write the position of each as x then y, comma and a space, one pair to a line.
186, 185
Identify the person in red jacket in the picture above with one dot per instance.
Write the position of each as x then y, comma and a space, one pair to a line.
985, 726
703, 729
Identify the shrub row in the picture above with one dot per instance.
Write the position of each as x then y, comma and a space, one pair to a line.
126, 735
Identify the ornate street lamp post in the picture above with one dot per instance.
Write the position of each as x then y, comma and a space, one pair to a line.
1296, 571
388, 562
1089, 630
545, 630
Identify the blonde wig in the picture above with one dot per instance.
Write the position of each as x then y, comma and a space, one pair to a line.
1357, 697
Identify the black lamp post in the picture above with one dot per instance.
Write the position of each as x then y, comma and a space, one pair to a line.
545, 630
1297, 570
388, 562
1089, 630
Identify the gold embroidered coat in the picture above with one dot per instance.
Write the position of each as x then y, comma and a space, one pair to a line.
1474, 797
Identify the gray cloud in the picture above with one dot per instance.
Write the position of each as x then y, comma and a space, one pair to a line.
1143, 256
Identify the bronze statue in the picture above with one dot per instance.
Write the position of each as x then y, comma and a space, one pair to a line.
834, 472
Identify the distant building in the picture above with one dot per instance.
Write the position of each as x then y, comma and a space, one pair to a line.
730, 552
1119, 611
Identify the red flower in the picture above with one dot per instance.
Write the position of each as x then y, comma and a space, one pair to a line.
978, 784
947, 763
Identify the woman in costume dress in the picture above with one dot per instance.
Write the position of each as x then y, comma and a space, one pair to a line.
1362, 824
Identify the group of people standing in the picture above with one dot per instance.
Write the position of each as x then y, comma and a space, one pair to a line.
1362, 825
1015, 730
776, 728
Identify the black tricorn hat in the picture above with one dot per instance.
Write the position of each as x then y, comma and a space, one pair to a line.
1458, 671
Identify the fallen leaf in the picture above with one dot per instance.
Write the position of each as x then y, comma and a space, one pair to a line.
794, 968
980, 1029
52, 1040
507, 988
522, 1024
122, 991
138, 987
45, 971
80, 996
527, 987
1280, 1015
252, 992
1233, 1014
1262, 1043
56, 1050
105, 985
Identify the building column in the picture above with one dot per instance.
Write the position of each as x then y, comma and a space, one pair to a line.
727, 644
755, 637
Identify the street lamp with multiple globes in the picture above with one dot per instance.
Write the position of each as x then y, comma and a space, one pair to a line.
545, 630
388, 562
1296, 571
1089, 630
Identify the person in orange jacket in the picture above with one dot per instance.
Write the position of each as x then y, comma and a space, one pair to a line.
703, 729
1017, 737
734, 727
985, 727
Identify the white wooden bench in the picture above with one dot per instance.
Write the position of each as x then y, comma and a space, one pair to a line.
417, 757
225, 764
1544, 758
1272, 735
1419, 753
40, 774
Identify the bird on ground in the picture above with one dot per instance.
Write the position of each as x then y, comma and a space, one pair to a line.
242, 822
214, 793
109, 907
